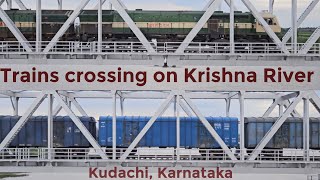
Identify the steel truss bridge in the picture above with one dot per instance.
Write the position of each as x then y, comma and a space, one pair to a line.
144, 53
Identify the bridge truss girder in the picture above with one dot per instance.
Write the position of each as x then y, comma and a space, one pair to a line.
176, 97
121, 8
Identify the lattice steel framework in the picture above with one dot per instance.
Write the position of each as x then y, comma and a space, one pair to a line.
186, 53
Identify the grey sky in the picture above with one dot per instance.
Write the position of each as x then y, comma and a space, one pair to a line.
282, 7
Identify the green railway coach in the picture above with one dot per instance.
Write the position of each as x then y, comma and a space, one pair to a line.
160, 25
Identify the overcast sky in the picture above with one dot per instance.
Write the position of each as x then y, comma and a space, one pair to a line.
282, 8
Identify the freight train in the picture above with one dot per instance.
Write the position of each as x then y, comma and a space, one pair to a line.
162, 133
169, 26
290, 134
35, 132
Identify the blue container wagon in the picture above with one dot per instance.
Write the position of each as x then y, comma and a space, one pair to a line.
35, 132
193, 134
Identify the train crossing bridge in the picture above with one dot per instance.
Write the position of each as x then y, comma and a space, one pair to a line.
150, 55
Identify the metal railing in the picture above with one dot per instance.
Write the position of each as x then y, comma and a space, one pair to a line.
161, 48
202, 155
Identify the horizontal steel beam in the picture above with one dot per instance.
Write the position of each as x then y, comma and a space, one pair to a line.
149, 94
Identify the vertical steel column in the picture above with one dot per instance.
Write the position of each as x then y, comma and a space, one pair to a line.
9, 4
60, 4
242, 134
50, 125
114, 126
294, 12
220, 6
306, 128
38, 27
280, 109
100, 26
177, 114
16, 106
271, 2
231, 35
121, 106
228, 103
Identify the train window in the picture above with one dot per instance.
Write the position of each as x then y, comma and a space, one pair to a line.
269, 21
